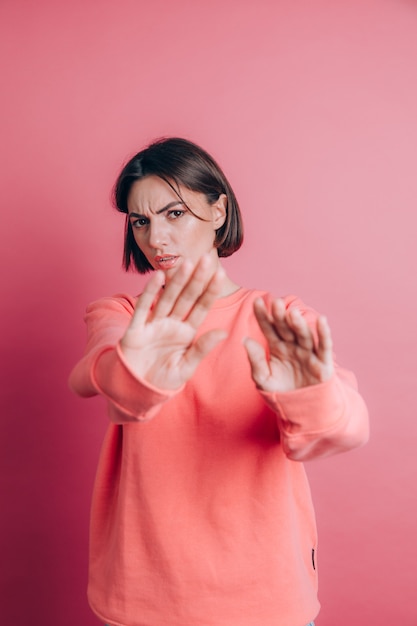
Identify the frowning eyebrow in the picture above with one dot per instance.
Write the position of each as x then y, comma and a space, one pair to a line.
165, 208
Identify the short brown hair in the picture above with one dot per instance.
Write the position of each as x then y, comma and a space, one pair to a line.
184, 163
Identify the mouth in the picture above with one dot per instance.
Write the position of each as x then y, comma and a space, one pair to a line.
165, 262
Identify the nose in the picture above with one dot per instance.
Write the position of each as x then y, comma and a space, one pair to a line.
157, 234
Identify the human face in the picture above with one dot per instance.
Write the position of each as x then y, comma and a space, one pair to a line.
165, 229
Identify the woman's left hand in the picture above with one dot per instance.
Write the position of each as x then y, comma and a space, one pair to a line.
296, 359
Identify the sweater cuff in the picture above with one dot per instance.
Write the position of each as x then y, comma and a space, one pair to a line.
311, 409
134, 396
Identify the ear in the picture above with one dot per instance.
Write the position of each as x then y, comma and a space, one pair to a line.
219, 211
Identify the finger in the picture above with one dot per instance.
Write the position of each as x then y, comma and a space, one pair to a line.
325, 342
193, 292
303, 334
274, 328
184, 289
146, 299
279, 317
210, 293
173, 290
258, 363
200, 349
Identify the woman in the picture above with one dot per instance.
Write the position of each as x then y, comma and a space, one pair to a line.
216, 394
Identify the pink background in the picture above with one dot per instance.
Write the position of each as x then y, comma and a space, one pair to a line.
311, 108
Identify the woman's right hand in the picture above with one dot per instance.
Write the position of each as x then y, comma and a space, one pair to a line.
159, 345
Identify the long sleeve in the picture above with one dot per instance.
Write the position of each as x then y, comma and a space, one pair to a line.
103, 371
321, 420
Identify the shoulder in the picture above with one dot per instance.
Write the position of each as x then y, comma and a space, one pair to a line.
291, 301
245, 298
119, 304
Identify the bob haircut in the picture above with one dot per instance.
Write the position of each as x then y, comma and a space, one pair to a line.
178, 162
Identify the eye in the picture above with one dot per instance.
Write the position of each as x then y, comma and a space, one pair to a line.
175, 214
140, 222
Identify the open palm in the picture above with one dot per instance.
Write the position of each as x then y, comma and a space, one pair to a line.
159, 345
296, 359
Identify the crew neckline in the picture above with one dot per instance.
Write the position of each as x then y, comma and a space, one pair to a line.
226, 301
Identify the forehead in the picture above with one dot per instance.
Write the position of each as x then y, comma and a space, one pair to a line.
150, 194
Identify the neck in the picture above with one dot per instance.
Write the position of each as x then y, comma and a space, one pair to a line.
228, 287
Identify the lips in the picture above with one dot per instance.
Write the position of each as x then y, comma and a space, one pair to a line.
165, 262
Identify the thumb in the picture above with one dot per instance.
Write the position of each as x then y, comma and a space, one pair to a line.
257, 359
200, 349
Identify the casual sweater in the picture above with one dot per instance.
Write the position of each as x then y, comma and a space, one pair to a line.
201, 512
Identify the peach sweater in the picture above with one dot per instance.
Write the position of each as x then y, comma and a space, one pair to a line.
201, 512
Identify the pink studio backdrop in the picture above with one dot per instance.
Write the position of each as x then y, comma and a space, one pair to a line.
310, 107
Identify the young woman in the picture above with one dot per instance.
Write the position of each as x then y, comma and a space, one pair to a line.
216, 395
